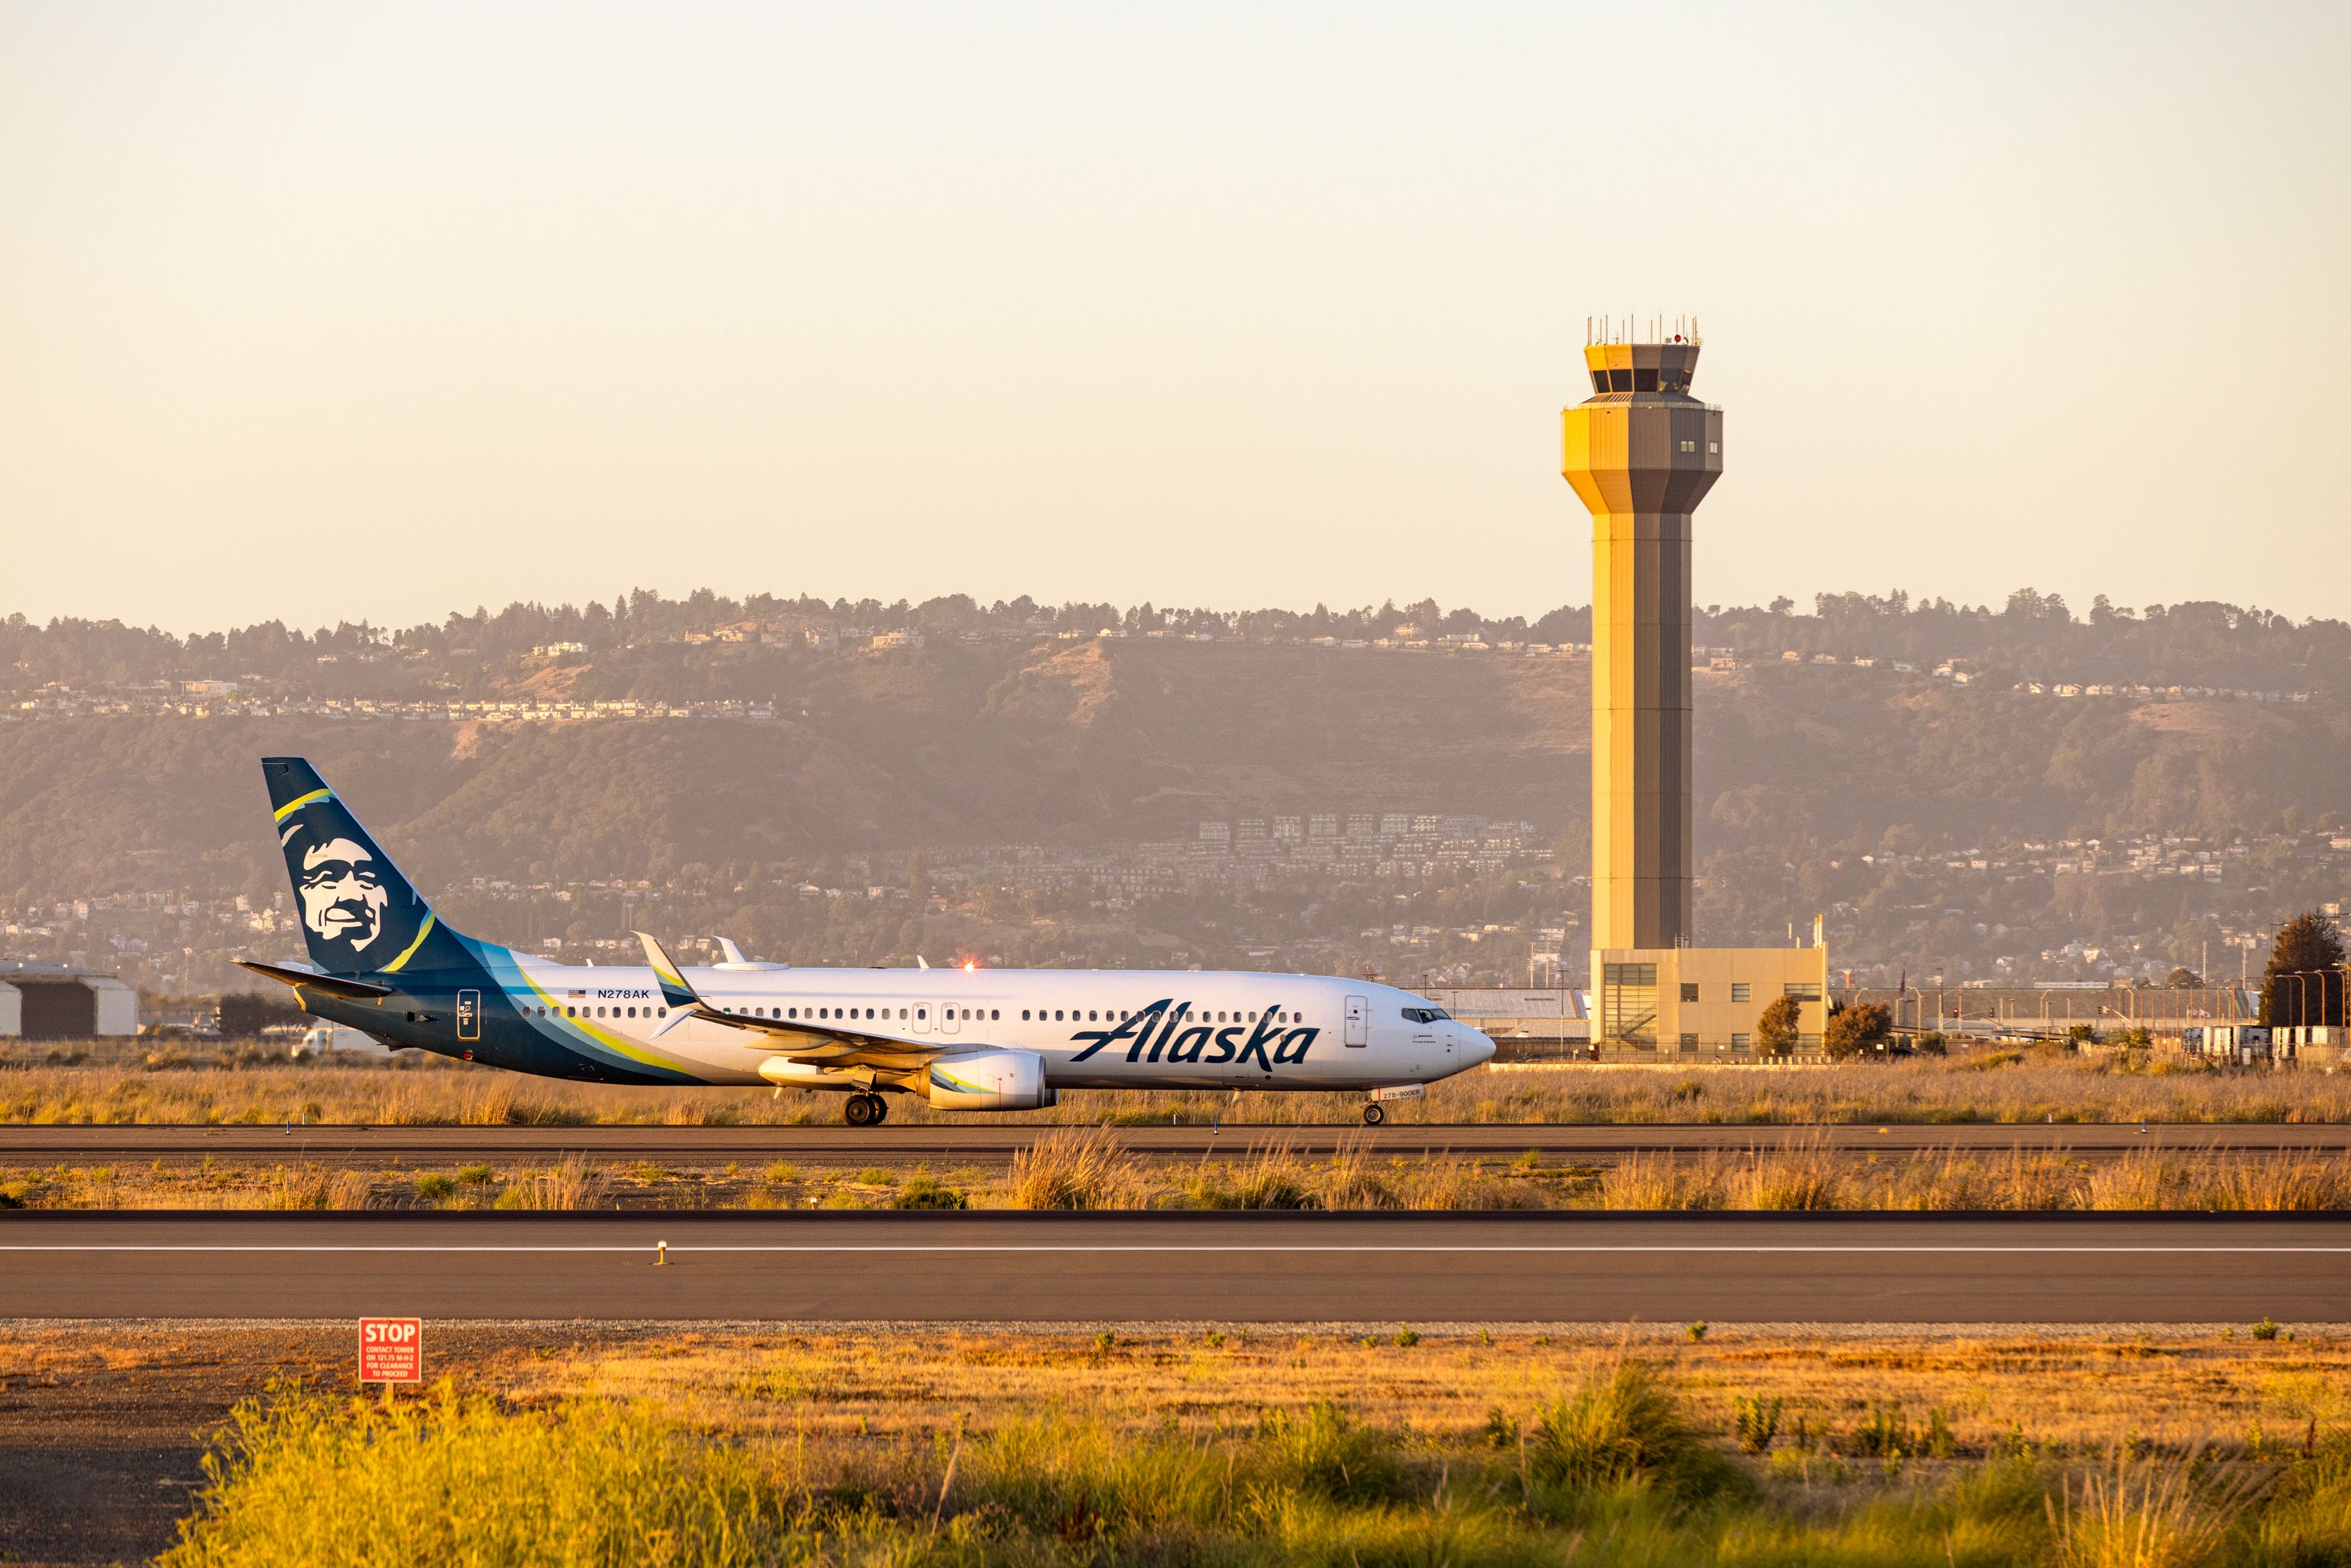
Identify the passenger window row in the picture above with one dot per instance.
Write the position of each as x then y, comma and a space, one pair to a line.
968, 1015
580, 1012
1112, 1015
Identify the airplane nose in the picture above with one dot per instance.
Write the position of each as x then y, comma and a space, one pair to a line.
1477, 1049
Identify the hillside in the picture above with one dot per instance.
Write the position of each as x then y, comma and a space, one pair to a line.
1103, 742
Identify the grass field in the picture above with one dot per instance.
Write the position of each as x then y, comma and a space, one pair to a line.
1084, 1169
1977, 1086
1661, 1447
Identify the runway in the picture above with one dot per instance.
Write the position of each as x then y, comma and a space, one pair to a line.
1263, 1267
347, 1144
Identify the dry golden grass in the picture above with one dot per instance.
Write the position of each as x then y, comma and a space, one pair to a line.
1075, 1167
414, 1090
1080, 1168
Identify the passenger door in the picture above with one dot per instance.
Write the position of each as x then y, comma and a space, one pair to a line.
1358, 1027
947, 1024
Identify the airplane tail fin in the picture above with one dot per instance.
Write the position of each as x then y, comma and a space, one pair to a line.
676, 992
359, 915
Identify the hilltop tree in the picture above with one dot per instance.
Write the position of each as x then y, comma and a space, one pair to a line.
1775, 1028
2304, 982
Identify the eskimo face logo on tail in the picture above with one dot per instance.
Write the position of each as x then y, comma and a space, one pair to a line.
358, 912
343, 895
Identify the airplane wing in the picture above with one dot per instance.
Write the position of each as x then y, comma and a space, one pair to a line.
812, 1040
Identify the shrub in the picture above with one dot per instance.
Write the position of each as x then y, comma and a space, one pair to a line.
1755, 1420
1322, 1450
1620, 1425
435, 1188
2265, 1329
929, 1192
1884, 1436
475, 1175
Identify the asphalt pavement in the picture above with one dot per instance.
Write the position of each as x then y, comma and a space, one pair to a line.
1232, 1268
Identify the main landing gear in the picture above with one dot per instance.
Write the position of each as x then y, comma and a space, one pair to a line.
866, 1110
1374, 1116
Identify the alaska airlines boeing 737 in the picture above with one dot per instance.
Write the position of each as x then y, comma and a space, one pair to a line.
965, 1040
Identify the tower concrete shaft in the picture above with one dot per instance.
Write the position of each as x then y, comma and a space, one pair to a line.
1640, 453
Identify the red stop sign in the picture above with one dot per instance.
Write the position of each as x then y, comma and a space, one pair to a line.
391, 1350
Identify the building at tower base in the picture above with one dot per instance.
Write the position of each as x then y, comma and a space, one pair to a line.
1640, 453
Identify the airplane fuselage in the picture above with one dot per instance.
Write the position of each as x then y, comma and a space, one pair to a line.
1091, 1028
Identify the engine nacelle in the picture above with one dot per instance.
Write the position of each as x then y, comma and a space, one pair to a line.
989, 1081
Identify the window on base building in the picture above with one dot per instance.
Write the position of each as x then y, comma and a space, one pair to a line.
1739, 1042
1738, 990
1690, 1042
1689, 990
1802, 990
1629, 1003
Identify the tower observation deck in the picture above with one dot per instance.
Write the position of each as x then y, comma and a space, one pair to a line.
1640, 453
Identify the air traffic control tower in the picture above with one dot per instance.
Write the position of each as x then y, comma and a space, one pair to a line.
1642, 453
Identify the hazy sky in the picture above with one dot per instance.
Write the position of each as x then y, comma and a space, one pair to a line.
332, 311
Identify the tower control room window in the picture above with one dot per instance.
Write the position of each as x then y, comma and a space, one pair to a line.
1600, 380
1645, 380
1620, 381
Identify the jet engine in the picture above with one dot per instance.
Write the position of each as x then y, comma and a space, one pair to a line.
989, 1081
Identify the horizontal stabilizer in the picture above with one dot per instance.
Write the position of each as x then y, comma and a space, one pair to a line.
332, 985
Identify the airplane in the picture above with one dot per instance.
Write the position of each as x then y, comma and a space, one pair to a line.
963, 1038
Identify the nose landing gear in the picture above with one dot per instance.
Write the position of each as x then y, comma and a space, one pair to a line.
866, 1110
1374, 1116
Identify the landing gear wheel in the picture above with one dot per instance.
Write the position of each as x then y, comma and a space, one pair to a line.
1374, 1116
862, 1111
881, 1108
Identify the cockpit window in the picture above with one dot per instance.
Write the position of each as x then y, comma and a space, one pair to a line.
1426, 1014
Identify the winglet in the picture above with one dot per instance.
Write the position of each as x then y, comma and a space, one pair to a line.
674, 988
